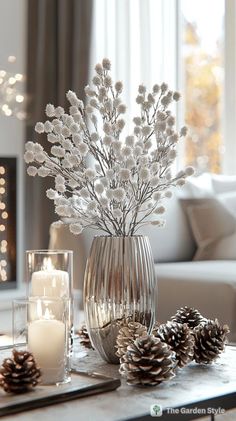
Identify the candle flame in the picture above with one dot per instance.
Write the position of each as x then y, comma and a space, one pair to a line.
47, 264
47, 315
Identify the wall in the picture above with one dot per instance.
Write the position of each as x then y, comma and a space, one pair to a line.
13, 15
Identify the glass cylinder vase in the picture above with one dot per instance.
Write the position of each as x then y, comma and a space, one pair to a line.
40, 325
49, 273
119, 286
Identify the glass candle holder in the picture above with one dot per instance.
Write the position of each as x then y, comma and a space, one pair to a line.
49, 273
40, 325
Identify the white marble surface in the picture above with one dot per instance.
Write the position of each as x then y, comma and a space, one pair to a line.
191, 384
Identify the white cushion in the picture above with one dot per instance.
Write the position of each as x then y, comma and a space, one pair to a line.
209, 286
223, 183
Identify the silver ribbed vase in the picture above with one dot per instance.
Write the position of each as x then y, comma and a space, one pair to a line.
119, 284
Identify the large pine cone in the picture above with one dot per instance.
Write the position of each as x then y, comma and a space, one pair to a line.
20, 373
127, 335
84, 337
188, 315
210, 339
179, 337
147, 362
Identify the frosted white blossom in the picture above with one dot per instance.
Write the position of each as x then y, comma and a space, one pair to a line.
83, 148
91, 206
116, 145
110, 193
65, 131
58, 151
121, 109
137, 130
29, 146
154, 181
183, 131
119, 86
73, 110
48, 127
189, 171
157, 196
40, 157
119, 194
32, 171
120, 124
84, 193
51, 194
129, 140
52, 138
160, 210
43, 171
39, 127
131, 173
107, 140
142, 89
76, 229
130, 162
59, 111
180, 182
110, 174
94, 137
168, 194
72, 98
99, 68
99, 188
29, 157
125, 174
126, 151
50, 110
144, 174
90, 174
104, 202
117, 213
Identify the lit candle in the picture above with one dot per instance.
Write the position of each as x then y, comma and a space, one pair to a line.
46, 340
50, 282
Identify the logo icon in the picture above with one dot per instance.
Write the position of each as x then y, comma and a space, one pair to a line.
156, 410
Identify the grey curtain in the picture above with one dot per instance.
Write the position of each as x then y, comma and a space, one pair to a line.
59, 36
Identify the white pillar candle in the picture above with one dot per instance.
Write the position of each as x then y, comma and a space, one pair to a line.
46, 340
50, 283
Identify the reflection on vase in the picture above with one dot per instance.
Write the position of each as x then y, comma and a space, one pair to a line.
119, 287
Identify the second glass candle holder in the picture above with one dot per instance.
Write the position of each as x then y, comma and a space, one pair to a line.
40, 325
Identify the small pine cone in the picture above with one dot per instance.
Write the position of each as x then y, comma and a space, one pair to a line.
210, 339
188, 315
179, 337
20, 373
127, 335
147, 362
85, 340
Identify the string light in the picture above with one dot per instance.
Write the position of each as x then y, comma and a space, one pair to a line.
11, 97
3, 221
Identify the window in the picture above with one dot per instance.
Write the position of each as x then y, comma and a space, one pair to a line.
202, 63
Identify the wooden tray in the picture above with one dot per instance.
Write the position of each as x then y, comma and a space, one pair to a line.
81, 385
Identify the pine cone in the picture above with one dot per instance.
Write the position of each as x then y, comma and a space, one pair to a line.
179, 337
127, 335
210, 340
20, 373
188, 315
147, 362
85, 340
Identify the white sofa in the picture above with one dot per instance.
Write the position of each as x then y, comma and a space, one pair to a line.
209, 286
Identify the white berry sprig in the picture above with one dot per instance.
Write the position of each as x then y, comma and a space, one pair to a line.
103, 179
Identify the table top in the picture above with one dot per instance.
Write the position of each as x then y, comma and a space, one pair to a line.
195, 386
